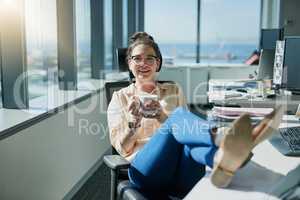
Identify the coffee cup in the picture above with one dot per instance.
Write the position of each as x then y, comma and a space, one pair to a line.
146, 98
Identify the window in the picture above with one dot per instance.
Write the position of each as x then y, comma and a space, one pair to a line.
125, 23
41, 45
229, 30
83, 38
108, 34
172, 23
231, 35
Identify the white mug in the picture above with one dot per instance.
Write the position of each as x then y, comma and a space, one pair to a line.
148, 97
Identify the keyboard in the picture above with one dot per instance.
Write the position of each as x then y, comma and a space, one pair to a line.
292, 137
287, 141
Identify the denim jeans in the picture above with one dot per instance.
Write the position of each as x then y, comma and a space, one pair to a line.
174, 159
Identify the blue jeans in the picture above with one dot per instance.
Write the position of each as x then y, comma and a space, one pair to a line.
174, 160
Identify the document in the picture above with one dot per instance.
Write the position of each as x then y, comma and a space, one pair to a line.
235, 112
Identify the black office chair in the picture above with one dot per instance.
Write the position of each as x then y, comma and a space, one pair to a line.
122, 62
120, 186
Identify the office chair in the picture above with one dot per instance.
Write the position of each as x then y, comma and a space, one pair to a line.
122, 62
120, 186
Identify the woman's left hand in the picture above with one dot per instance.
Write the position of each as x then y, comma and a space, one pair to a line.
153, 109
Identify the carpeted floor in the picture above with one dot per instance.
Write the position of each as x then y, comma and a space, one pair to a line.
97, 186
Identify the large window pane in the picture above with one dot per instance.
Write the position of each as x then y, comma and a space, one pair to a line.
108, 34
229, 30
125, 23
83, 38
173, 24
231, 35
41, 44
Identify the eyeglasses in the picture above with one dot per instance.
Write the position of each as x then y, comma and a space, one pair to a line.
149, 60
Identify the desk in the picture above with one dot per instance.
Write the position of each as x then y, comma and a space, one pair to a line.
263, 176
258, 180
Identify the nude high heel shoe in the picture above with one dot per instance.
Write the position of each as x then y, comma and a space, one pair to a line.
237, 144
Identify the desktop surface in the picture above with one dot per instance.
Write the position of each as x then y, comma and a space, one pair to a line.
258, 180
267, 176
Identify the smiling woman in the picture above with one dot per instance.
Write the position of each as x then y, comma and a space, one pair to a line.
168, 146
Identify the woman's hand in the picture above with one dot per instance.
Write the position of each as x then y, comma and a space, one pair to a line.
153, 109
135, 114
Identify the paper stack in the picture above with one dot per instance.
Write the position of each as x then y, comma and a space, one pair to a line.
233, 112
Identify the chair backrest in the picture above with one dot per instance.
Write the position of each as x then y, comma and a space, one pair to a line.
111, 87
122, 63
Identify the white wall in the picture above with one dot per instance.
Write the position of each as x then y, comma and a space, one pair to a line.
46, 160
194, 79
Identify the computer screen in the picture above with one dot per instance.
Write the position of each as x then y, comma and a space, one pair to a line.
269, 37
291, 63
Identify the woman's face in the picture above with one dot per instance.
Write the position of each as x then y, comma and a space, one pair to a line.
143, 63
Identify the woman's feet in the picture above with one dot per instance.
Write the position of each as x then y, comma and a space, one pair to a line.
235, 147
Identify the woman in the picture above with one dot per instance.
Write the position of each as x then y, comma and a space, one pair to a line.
170, 148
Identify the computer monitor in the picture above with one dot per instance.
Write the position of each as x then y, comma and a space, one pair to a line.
266, 63
269, 37
291, 64
287, 64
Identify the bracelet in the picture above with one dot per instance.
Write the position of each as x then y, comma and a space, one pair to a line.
131, 125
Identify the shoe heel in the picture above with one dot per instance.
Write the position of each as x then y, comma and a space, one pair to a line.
272, 122
221, 178
233, 152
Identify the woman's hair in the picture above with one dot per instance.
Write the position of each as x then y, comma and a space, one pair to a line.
145, 39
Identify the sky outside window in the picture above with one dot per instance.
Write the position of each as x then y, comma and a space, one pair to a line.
229, 29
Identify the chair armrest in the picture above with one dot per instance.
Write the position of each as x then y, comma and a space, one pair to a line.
116, 162
127, 192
